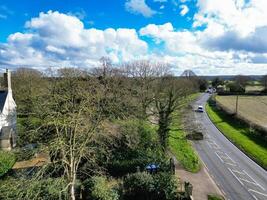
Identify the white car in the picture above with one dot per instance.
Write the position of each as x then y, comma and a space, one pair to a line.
200, 109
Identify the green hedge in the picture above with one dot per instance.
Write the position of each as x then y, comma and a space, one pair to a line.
7, 160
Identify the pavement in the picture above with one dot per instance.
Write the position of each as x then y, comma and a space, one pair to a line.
203, 185
237, 176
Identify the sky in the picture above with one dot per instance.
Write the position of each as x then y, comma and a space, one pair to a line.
210, 37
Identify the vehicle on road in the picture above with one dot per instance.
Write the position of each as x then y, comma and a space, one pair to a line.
200, 109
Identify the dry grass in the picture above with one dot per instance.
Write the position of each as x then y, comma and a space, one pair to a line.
250, 108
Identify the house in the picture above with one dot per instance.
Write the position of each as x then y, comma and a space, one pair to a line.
8, 115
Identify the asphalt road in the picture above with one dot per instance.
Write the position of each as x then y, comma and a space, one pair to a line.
237, 175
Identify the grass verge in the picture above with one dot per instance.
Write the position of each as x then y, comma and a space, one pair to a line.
7, 160
240, 135
178, 144
215, 197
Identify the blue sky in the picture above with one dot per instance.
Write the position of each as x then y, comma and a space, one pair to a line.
208, 36
100, 14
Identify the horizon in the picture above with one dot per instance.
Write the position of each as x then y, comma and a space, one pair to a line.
205, 36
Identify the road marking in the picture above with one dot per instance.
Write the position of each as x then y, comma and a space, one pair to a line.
257, 192
238, 172
235, 176
234, 165
219, 157
254, 180
242, 179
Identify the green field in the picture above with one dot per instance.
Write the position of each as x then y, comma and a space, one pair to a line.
179, 146
240, 135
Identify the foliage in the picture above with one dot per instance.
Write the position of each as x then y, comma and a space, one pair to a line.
98, 188
215, 197
179, 146
169, 94
24, 189
142, 185
7, 160
235, 88
240, 135
139, 185
134, 145
183, 150
216, 82
203, 84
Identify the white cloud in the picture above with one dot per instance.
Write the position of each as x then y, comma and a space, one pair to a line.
161, 1
56, 39
184, 10
139, 7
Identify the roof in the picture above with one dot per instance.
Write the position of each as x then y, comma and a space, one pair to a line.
3, 96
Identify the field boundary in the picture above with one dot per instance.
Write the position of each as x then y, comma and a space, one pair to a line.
260, 163
261, 131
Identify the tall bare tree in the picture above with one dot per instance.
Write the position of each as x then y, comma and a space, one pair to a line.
143, 74
168, 94
73, 113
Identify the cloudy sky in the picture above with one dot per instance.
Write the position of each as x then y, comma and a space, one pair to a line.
211, 37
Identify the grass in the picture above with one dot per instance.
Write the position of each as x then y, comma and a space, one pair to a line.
7, 160
215, 197
178, 144
250, 108
240, 135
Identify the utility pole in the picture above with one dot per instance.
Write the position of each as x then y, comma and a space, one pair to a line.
236, 105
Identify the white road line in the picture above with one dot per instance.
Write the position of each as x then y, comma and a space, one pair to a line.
254, 180
257, 192
219, 157
238, 172
232, 164
242, 179
230, 158
236, 176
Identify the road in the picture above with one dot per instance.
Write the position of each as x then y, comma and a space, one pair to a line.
237, 176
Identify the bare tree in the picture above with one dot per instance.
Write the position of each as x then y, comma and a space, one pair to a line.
73, 112
143, 74
168, 94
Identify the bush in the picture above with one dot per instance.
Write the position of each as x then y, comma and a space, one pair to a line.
7, 160
139, 185
33, 189
143, 186
166, 186
98, 188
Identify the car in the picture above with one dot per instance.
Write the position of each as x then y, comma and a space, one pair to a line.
200, 109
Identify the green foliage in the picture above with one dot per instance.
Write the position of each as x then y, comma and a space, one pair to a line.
215, 197
166, 186
139, 185
179, 146
240, 135
25, 189
136, 145
7, 160
235, 88
142, 186
98, 188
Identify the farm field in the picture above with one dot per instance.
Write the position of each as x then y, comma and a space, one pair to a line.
251, 108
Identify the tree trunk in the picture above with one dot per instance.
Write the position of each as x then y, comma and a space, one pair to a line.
73, 187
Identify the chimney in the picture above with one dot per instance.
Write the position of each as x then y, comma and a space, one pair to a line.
7, 80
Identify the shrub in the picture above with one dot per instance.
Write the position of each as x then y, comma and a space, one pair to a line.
7, 160
143, 186
139, 185
166, 186
98, 188
50, 188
